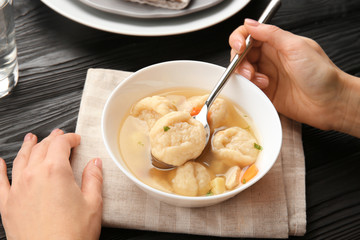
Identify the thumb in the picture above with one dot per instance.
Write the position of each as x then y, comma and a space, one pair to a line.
92, 181
4, 184
270, 34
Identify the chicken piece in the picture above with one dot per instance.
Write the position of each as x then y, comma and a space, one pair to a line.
232, 177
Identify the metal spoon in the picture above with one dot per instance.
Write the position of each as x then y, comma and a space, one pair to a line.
265, 17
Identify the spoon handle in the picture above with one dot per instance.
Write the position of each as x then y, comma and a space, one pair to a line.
265, 17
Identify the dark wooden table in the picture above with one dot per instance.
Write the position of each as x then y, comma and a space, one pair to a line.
55, 53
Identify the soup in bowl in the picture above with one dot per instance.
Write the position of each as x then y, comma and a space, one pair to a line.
143, 104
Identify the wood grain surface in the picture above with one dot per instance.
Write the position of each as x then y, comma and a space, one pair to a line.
55, 53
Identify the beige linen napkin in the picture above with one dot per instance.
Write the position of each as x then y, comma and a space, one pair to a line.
272, 208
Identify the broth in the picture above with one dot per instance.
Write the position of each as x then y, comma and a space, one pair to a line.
135, 149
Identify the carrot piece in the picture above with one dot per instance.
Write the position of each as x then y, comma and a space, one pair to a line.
249, 174
195, 111
209, 116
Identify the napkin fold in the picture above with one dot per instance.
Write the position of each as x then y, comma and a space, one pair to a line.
274, 207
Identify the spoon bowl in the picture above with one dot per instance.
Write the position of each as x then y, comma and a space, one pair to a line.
160, 165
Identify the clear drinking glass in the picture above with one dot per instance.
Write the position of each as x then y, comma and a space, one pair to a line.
9, 71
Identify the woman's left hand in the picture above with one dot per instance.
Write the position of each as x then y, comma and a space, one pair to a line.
44, 201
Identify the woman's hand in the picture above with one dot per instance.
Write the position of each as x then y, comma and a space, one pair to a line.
44, 201
294, 72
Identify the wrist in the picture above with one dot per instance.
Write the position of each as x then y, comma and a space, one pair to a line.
347, 113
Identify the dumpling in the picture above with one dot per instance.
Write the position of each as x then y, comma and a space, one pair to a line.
235, 146
178, 100
150, 109
191, 179
218, 113
176, 138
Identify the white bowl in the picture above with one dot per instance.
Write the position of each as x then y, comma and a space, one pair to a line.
198, 75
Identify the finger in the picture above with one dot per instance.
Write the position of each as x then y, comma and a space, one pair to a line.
4, 184
92, 181
237, 39
23, 156
254, 55
271, 34
60, 147
245, 69
260, 80
232, 54
39, 151
256, 44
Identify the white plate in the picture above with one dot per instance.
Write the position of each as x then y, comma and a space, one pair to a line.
131, 9
78, 12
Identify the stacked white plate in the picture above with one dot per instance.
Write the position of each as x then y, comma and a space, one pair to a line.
122, 17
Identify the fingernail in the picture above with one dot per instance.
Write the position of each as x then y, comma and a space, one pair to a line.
56, 130
261, 82
28, 136
246, 73
251, 22
237, 46
98, 162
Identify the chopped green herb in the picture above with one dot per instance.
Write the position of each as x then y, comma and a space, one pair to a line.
257, 146
209, 193
140, 143
244, 181
247, 128
166, 128
245, 115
